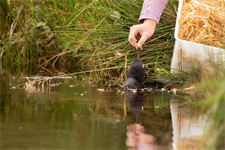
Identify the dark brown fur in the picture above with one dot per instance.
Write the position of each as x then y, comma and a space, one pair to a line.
136, 73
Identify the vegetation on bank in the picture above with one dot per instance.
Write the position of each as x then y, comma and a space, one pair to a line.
70, 36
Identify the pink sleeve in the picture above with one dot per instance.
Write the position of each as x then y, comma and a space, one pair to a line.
152, 9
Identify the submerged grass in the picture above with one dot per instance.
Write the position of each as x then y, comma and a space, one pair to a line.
70, 35
211, 91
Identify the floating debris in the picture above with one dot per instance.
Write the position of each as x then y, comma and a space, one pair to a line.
94, 85
101, 90
174, 90
73, 85
133, 90
148, 89
163, 89
54, 84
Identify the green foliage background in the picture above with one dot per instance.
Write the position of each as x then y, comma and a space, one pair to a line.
80, 35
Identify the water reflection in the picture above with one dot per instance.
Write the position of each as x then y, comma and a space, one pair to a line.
4, 94
81, 117
188, 129
135, 102
136, 136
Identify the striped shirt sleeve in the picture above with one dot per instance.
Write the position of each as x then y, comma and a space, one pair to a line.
152, 9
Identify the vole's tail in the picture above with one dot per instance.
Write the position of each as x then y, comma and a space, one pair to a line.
138, 48
138, 54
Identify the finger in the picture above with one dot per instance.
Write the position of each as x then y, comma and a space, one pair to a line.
132, 39
142, 40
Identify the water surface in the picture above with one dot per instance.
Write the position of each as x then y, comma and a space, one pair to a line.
75, 115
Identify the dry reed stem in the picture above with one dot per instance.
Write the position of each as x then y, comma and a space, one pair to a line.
37, 81
202, 21
125, 63
29, 85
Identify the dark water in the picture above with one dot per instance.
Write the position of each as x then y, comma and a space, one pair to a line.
81, 117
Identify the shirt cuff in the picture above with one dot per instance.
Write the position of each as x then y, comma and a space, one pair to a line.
149, 16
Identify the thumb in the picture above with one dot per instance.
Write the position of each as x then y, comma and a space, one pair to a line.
142, 40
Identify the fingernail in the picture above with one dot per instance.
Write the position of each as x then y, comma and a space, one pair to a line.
139, 45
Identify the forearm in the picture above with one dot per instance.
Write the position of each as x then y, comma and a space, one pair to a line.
152, 9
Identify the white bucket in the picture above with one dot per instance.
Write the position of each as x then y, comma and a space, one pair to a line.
187, 55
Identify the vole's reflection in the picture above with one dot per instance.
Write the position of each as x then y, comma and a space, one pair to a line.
135, 102
136, 136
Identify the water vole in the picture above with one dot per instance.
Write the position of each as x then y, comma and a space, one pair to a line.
135, 75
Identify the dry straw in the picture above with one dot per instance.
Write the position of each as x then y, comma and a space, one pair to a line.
203, 21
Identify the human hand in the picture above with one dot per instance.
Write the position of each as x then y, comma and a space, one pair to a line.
142, 31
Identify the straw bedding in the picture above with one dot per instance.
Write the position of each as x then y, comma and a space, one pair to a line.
203, 21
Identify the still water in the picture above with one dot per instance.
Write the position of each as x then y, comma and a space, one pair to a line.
72, 114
